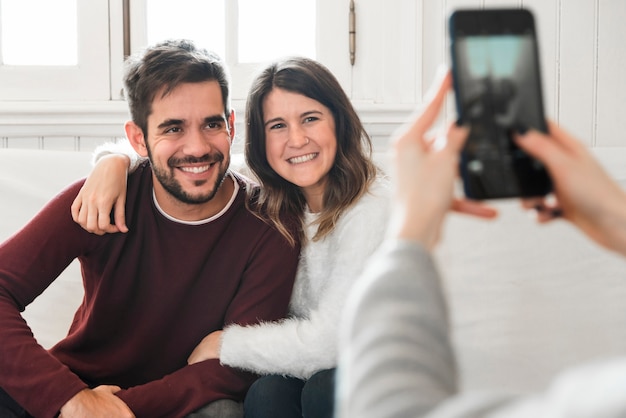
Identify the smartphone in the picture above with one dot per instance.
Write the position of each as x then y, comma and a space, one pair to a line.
497, 84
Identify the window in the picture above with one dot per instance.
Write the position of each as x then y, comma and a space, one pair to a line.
54, 50
275, 28
73, 50
20, 47
246, 33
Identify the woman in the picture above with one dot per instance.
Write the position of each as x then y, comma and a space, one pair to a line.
312, 158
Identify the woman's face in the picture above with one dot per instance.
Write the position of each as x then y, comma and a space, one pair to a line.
300, 141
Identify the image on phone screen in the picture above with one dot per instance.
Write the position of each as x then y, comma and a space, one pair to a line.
498, 93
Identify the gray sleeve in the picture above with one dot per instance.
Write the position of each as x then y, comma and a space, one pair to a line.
396, 357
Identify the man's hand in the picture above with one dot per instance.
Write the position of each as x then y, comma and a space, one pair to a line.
100, 402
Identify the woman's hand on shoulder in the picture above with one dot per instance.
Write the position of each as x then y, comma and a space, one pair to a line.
103, 191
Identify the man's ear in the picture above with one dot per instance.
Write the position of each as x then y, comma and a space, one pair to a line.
136, 138
231, 125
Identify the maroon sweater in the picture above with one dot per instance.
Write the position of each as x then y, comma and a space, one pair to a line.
151, 295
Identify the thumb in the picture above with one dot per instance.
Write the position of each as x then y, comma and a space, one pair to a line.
539, 146
108, 388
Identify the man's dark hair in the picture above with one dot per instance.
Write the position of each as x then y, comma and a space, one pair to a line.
161, 68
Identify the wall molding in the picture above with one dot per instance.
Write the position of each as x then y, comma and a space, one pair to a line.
106, 119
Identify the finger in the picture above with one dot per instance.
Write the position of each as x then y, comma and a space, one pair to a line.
544, 216
81, 219
119, 215
430, 112
540, 146
457, 135
109, 229
533, 202
75, 208
470, 207
107, 388
104, 218
564, 138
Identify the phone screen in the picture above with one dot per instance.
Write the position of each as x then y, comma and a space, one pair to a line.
498, 92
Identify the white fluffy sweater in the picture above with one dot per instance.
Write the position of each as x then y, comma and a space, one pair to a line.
306, 342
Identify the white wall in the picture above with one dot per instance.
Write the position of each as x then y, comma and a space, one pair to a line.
581, 48
400, 44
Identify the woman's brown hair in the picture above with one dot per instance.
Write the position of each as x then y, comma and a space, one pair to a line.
353, 170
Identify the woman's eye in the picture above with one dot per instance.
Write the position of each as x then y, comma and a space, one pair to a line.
310, 119
277, 126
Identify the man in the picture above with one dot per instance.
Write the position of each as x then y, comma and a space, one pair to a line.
193, 260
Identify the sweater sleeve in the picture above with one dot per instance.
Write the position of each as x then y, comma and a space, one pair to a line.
121, 147
30, 261
301, 346
396, 358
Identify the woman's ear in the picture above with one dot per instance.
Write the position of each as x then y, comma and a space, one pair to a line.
136, 138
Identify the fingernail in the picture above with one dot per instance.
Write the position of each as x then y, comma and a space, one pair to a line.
521, 129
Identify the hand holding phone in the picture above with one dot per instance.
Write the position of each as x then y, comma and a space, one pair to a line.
497, 83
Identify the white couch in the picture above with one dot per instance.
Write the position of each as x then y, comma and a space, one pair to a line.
526, 300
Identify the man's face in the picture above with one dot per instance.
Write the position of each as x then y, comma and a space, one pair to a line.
189, 143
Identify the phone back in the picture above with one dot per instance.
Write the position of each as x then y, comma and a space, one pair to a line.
497, 83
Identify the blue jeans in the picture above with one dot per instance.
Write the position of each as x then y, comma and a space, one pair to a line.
11, 409
276, 396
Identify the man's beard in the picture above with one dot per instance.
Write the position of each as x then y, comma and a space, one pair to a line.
166, 178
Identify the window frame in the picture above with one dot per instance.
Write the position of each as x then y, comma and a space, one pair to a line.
88, 80
333, 26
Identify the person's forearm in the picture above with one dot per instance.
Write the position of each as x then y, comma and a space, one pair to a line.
614, 221
122, 147
186, 390
396, 358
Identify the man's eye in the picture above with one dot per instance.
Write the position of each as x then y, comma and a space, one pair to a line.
173, 129
214, 125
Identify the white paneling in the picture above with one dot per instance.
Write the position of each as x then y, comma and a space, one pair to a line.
576, 76
25, 143
433, 42
333, 28
502, 3
400, 46
61, 143
116, 18
89, 144
547, 22
610, 78
400, 73
368, 68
